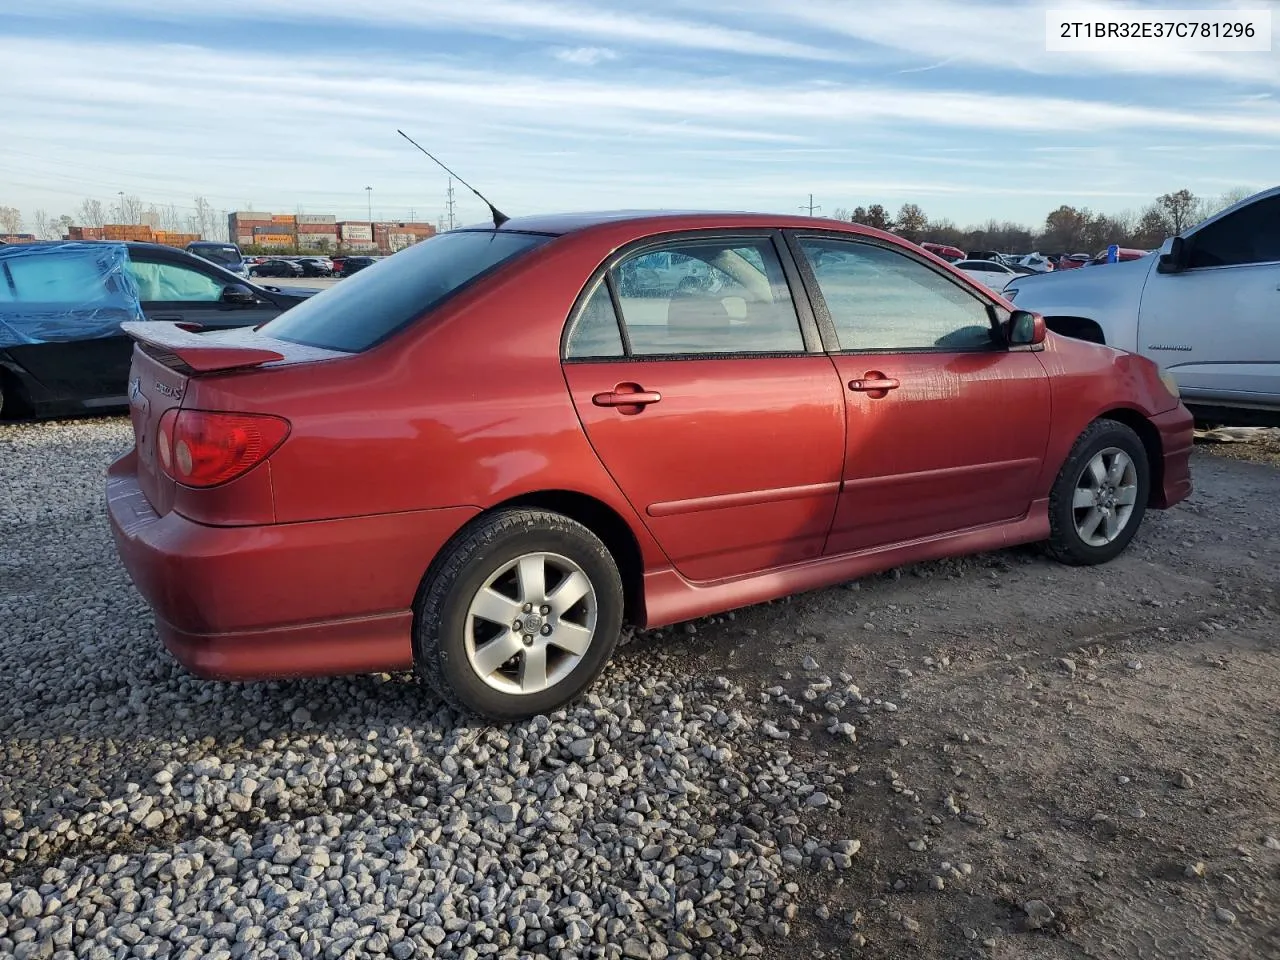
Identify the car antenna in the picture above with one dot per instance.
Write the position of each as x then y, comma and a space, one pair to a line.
499, 218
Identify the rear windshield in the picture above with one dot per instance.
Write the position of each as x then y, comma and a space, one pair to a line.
224, 256
369, 306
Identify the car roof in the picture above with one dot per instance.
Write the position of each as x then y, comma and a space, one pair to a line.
663, 220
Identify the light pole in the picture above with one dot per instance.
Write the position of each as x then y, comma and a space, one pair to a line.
368, 193
120, 194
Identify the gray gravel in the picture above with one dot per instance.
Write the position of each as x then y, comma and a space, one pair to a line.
150, 814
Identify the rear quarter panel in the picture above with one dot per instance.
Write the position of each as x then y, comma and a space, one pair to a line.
468, 408
1087, 380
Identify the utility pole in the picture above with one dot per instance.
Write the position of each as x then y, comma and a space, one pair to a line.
810, 206
449, 203
368, 194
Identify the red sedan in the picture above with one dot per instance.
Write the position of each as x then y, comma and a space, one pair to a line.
478, 457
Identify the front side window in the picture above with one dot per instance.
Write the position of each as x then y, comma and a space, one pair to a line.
695, 298
171, 283
1250, 235
880, 299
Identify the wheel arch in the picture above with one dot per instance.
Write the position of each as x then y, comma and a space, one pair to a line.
607, 524
1136, 421
1078, 328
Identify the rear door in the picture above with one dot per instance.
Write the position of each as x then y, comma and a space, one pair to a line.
947, 427
704, 391
1216, 325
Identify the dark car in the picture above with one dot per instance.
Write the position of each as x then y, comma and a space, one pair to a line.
352, 265
314, 267
478, 457
61, 306
276, 268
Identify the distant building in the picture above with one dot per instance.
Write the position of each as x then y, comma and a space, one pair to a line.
322, 233
17, 238
131, 231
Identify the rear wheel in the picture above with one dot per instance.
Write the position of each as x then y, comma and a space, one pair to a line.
518, 615
1100, 496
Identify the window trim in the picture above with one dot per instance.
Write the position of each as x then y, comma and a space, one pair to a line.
809, 333
826, 324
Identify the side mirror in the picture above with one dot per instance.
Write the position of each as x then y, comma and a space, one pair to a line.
1026, 328
1173, 256
238, 294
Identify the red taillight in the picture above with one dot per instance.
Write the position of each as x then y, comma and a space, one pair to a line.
201, 448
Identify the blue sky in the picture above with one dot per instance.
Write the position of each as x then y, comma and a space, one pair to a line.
289, 105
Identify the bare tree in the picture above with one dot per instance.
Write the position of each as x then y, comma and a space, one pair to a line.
91, 213
41, 225
1179, 207
131, 209
205, 220
10, 220
1208, 207
841, 213
64, 224
170, 219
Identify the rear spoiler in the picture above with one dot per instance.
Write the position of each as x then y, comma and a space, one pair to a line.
179, 346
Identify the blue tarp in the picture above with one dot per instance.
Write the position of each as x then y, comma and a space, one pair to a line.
55, 292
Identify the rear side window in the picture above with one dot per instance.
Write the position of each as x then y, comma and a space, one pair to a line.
366, 308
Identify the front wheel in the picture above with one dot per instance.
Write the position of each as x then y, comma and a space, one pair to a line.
1100, 496
518, 615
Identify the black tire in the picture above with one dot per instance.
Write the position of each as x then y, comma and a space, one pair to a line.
1065, 542
464, 565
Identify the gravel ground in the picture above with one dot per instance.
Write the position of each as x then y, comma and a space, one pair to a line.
997, 757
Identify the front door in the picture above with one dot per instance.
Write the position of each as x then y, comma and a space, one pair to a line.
718, 419
947, 427
1216, 325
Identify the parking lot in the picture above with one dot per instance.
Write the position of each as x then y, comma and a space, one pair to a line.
991, 757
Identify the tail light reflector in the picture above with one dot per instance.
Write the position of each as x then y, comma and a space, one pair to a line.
203, 448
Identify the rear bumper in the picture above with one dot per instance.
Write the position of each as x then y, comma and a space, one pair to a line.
1177, 437
301, 599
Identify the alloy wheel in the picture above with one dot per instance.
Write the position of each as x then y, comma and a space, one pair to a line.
1104, 497
530, 623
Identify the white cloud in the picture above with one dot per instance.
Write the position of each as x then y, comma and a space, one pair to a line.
559, 18
287, 127
1000, 35
585, 56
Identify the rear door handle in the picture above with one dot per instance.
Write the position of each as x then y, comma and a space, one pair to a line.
873, 384
615, 399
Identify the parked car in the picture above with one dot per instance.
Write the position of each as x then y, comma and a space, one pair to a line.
225, 255
989, 273
276, 267
1036, 263
1072, 261
1122, 254
62, 350
352, 265
478, 456
315, 266
1207, 308
945, 251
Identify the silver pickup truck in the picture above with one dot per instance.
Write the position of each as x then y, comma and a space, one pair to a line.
1205, 307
